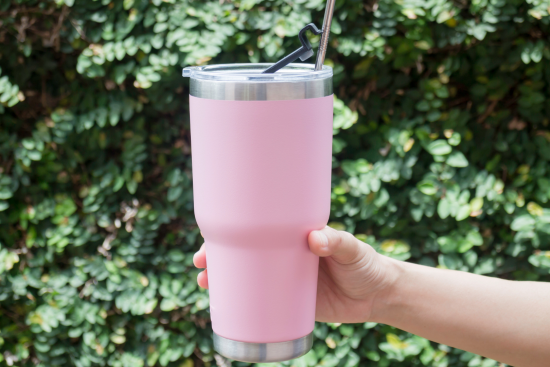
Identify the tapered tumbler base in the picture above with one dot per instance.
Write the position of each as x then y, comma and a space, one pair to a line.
262, 352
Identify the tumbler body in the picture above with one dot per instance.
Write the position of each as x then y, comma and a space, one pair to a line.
261, 174
261, 183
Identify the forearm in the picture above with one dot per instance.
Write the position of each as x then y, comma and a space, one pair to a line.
503, 320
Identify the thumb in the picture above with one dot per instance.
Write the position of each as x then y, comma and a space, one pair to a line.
342, 246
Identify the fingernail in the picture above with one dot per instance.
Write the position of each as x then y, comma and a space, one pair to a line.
323, 239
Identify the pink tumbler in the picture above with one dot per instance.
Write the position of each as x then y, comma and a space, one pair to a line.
262, 156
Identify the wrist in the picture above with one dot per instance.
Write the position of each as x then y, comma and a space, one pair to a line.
389, 296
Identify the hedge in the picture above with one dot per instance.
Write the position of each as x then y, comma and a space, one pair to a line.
441, 150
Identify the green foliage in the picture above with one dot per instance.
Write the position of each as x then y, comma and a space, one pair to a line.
441, 151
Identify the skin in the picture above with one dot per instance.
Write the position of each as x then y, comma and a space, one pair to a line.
508, 321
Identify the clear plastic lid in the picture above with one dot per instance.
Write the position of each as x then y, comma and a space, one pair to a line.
253, 73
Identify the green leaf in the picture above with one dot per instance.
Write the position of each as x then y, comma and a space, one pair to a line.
128, 4
3, 205
427, 356
442, 92
443, 208
433, 116
455, 139
475, 238
247, 4
464, 246
536, 52
373, 355
447, 244
523, 223
35, 155
28, 144
427, 187
444, 16
479, 32
476, 204
439, 147
119, 182
188, 349
167, 305
174, 193
118, 339
131, 186
463, 212
533, 208
423, 106
449, 261
5, 193
457, 159
526, 55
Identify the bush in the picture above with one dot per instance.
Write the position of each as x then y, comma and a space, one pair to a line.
441, 150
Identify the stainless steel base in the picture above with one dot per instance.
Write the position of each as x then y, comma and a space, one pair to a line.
262, 352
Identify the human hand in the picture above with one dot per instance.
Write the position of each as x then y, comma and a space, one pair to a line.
353, 277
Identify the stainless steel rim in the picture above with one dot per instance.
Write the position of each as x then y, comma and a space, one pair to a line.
235, 91
262, 352
296, 81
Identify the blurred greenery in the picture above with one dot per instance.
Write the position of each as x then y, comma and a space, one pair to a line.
441, 150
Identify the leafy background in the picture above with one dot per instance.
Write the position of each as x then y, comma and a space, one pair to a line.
441, 150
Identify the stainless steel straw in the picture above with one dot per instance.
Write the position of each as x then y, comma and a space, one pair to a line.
329, 10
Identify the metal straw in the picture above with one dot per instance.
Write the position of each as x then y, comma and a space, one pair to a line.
329, 10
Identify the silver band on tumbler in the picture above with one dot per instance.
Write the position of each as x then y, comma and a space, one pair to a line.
262, 87
262, 352
234, 91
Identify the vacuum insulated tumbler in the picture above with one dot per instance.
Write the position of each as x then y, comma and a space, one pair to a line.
262, 156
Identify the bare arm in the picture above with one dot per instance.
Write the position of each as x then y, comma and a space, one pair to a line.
504, 320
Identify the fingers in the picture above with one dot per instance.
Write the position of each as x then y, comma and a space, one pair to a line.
342, 246
199, 259
202, 279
